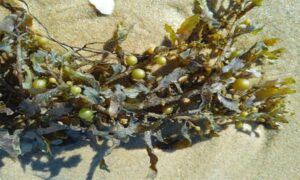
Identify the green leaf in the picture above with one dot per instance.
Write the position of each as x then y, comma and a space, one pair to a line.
85, 77
5, 46
257, 30
118, 68
116, 101
286, 91
185, 54
27, 84
257, 2
123, 133
266, 93
235, 65
272, 55
8, 24
271, 41
172, 33
272, 92
188, 26
288, 81
92, 94
37, 58
55, 59
44, 98
134, 91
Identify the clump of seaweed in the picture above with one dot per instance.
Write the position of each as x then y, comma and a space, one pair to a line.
193, 88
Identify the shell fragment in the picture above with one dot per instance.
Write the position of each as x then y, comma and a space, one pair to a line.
106, 7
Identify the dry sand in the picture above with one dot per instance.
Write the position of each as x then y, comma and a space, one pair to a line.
274, 155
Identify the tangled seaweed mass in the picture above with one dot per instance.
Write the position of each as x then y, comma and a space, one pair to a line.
187, 90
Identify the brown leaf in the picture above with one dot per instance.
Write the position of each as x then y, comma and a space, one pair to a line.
188, 26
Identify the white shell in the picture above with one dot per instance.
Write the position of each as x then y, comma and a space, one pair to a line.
106, 7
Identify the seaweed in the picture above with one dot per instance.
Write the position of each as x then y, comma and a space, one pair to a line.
206, 84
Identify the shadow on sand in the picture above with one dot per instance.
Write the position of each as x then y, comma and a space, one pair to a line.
52, 164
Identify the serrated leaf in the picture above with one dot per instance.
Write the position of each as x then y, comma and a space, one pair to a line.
106, 93
55, 59
43, 98
214, 126
170, 78
114, 107
116, 101
37, 58
159, 136
216, 87
136, 90
185, 54
123, 133
5, 47
201, 8
235, 65
8, 23
92, 94
229, 104
10, 143
102, 133
118, 68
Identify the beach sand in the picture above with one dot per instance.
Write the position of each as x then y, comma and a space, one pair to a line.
274, 155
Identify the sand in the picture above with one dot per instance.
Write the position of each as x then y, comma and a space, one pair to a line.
273, 155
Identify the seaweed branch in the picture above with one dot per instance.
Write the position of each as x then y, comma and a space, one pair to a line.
195, 87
